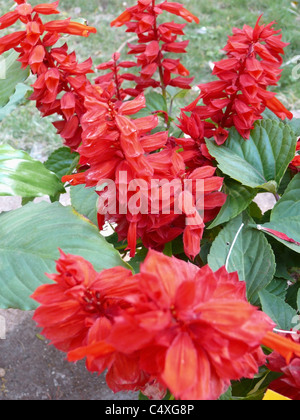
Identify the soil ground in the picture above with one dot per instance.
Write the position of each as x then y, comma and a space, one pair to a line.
31, 369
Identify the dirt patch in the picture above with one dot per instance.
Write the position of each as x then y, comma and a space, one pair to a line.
31, 369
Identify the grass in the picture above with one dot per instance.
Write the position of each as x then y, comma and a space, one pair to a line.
25, 129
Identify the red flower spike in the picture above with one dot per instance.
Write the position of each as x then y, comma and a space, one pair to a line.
57, 71
154, 40
253, 64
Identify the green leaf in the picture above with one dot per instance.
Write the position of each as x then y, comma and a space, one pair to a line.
23, 176
261, 161
18, 98
84, 200
295, 125
154, 102
61, 161
298, 301
285, 217
29, 242
277, 287
11, 74
248, 253
292, 295
239, 198
139, 258
227, 396
278, 310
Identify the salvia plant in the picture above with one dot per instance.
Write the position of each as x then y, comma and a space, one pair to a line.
194, 295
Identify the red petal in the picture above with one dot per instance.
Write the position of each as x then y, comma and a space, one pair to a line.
181, 365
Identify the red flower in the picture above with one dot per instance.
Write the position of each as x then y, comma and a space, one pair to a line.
179, 10
285, 347
289, 383
295, 164
240, 96
154, 40
68, 27
56, 70
189, 328
115, 65
77, 299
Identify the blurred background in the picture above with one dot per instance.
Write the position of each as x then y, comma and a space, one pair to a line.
25, 129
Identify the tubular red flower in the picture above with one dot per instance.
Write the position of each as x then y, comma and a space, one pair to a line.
154, 40
241, 96
69, 27
56, 70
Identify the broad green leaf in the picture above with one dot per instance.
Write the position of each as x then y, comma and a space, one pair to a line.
15, 100
29, 242
61, 161
285, 217
84, 200
11, 75
261, 161
239, 198
295, 125
23, 176
251, 255
278, 287
278, 310
298, 301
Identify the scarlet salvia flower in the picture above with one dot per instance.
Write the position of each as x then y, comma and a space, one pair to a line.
113, 144
240, 96
56, 70
110, 137
195, 152
115, 65
289, 383
156, 220
154, 41
189, 328
285, 347
78, 298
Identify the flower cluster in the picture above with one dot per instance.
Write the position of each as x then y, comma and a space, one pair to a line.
61, 80
115, 65
113, 145
98, 122
154, 41
240, 96
173, 326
